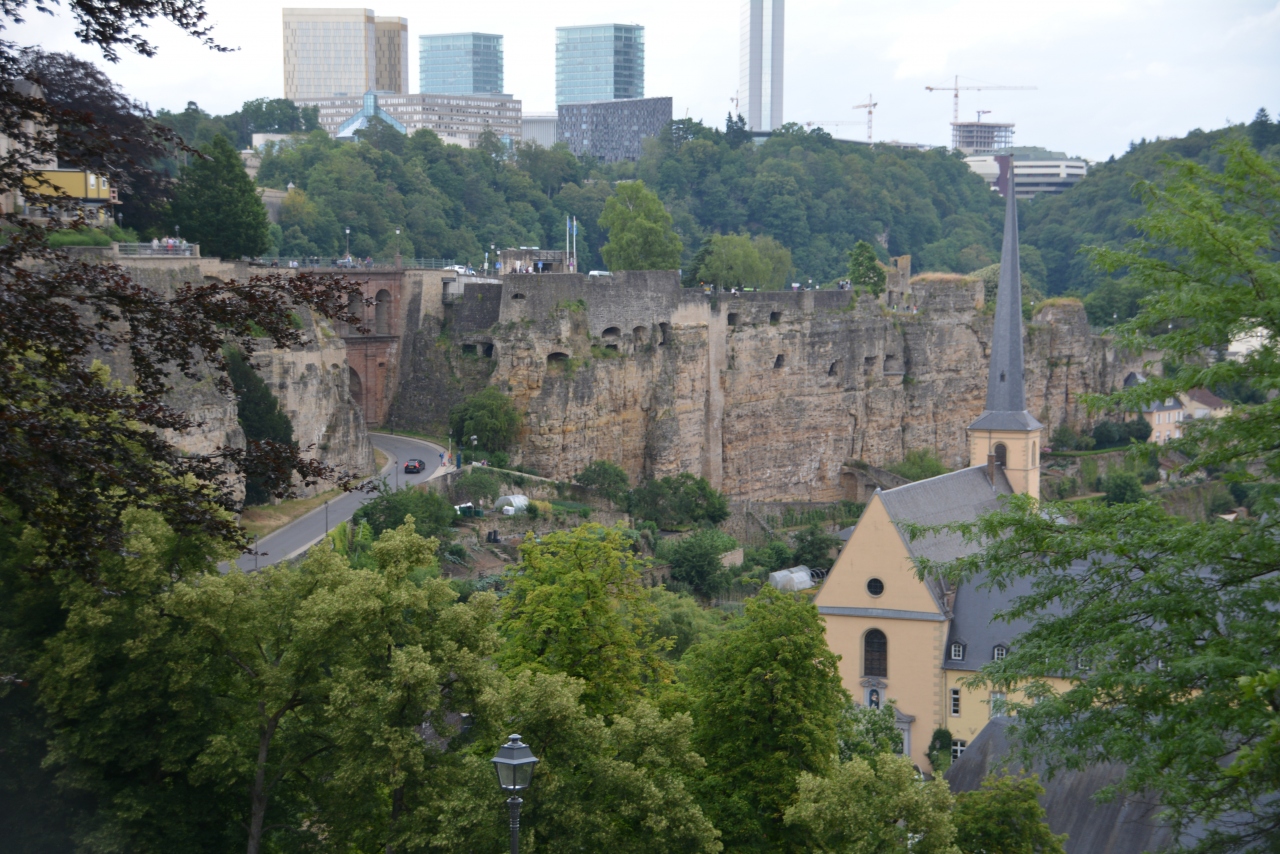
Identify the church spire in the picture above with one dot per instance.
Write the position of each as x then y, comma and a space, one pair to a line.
1005, 382
1005, 430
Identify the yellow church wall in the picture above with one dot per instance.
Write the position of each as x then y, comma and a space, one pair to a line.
906, 612
975, 704
1022, 461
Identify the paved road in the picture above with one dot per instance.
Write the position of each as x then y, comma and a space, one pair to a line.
302, 533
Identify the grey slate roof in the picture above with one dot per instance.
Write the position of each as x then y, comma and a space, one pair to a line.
972, 624
1019, 421
1122, 826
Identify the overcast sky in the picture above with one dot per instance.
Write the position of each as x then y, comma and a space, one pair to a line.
1106, 71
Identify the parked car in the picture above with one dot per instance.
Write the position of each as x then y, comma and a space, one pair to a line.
414, 466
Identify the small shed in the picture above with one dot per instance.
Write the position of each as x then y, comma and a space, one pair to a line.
793, 579
517, 503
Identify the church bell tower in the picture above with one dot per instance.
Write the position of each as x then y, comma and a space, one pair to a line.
1006, 430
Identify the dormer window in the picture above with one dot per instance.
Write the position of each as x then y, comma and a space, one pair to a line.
998, 653
957, 652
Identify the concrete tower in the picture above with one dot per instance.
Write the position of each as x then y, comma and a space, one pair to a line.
1006, 430
760, 70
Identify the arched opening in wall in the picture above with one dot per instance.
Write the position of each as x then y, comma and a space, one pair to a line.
1035, 453
611, 332
486, 350
733, 318
355, 306
517, 296
664, 330
1001, 452
875, 654
468, 349
780, 362
613, 347
834, 370
640, 334
355, 386
892, 364
775, 317
557, 359
382, 312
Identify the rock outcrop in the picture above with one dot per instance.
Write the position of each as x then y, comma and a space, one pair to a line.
771, 396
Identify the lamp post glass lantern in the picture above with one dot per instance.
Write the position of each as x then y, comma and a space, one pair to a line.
514, 766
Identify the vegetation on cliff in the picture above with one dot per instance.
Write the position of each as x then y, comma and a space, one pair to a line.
639, 229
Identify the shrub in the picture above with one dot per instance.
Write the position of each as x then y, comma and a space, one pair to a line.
813, 547
260, 416
490, 416
673, 503
695, 560
919, 464
1065, 438
432, 513
1220, 502
606, 478
1122, 488
499, 459
762, 560
1118, 434
939, 752
475, 485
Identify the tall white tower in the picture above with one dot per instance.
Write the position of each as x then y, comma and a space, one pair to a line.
760, 80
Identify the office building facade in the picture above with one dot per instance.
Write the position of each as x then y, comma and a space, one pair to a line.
981, 137
612, 130
460, 64
540, 128
456, 119
760, 64
331, 53
599, 63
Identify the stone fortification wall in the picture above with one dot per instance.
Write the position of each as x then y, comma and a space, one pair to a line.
771, 396
311, 382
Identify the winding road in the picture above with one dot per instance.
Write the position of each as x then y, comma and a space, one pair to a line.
302, 533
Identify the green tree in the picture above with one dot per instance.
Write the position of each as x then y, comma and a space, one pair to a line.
766, 700
1122, 488
476, 485
864, 270
695, 561
218, 207
1005, 817
490, 416
679, 502
615, 784
874, 807
920, 464
640, 232
606, 478
732, 261
682, 620
868, 732
432, 513
777, 261
260, 416
939, 750
577, 605
813, 547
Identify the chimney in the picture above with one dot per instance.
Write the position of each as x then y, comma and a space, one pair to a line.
991, 469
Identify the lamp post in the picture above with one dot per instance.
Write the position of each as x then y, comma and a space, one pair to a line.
514, 764
473, 450
397, 249
348, 231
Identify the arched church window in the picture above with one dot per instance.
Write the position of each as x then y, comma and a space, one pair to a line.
1002, 453
875, 654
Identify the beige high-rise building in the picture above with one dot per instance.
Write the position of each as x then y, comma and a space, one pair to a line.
343, 53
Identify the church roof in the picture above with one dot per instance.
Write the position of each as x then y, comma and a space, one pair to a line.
1006, 406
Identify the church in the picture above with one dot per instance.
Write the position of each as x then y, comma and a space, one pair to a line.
914, 641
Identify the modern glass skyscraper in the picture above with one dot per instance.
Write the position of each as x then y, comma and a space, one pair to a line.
460, 64
343, 52
600, 63
760, 81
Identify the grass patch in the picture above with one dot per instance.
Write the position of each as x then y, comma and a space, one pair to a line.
263, 519
379, 460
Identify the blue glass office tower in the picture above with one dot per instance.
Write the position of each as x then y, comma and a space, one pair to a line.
460, 64
599, 63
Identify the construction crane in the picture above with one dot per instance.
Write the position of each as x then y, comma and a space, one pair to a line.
869, 106
955, 90
982, 113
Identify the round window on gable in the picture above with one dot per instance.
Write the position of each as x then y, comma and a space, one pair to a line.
875, 586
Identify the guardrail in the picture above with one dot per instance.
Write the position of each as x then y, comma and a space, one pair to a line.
357, 264
183, 249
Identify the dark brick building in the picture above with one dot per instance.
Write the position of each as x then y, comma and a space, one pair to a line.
612, 130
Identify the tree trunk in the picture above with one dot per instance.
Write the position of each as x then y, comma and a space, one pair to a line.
259, 806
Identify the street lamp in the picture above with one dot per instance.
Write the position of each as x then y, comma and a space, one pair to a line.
473, 450
514, 764
348, 230
397, 249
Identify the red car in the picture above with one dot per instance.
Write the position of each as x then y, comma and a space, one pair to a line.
414, 466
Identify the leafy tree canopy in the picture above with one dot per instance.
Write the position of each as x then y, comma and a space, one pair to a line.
218, 207
813, 547
695, 560
259, 414
432, 513
679, 502
864, 270
639, 229
490, 416
1005, 815
606, 478
920, 464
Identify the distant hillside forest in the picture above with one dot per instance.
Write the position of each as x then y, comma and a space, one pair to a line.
816, 195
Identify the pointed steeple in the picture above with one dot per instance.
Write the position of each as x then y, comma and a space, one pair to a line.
1006, 433
1006, 383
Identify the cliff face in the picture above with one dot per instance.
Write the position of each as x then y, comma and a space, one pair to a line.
769, 396
311, 382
